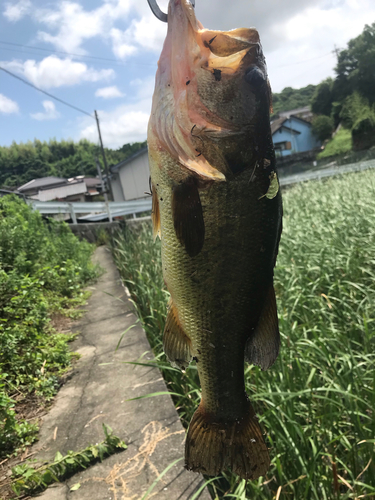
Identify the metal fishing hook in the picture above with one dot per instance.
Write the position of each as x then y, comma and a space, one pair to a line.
159, 13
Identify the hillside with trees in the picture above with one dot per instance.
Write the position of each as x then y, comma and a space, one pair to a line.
20, 163
290, 98
349, 99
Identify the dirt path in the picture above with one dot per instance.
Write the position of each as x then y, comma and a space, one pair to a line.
97, 393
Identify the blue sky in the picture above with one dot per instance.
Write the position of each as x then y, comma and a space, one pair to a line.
57, 46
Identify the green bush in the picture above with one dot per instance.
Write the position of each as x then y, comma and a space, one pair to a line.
43, 267
322, 127
354, 109
363, 132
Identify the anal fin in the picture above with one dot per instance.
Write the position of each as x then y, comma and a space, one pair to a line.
262, 347
188, 216
213, 446
177, 345
155, 214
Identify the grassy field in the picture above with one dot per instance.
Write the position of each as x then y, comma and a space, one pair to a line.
317, 402
341, 143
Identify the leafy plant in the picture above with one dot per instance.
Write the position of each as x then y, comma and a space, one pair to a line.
322, 127
43, 268
28, 478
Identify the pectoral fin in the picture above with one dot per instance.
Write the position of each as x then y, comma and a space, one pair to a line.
263, 345
188, 216
177, 345
155, 214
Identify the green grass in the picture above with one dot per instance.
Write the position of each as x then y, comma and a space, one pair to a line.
340, 144
317, 402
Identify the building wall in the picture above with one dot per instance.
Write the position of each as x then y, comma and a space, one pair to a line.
62, 192
118, 195
300, 142
134, 177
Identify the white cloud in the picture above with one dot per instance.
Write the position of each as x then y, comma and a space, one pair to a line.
310, 36
50, 112
54, 72
109, 92
7, 106
122, 44
73, 25
68, 25
16, 11
118, 127
125, 123
147, 33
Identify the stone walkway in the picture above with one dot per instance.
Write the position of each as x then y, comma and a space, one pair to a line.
96, 393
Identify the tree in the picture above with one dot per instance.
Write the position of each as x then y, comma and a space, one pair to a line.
353, 109
363, 132
355, 67
322, 127
20, 163
322, 99
290, 98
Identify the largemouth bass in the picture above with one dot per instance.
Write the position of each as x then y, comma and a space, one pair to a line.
217, 208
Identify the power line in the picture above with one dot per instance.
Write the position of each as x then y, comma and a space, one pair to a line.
38, 55
47, 93
305, 60
104, 59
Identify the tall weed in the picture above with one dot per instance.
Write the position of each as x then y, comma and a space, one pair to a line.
317, 402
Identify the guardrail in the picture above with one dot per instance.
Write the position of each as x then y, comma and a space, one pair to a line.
326, 172
97, 210
100, 210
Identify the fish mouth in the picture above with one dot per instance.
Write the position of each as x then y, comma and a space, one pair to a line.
222, 50
182, 119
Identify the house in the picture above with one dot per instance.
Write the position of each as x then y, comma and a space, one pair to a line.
292, 134
78, 188
305, 113
130, 177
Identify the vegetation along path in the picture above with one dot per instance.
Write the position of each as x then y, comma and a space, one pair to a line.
99, 392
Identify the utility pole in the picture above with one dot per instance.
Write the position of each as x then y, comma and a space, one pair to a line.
101, 179
104, 158
104, 191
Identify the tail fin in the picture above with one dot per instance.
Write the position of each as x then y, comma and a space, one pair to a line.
214, 446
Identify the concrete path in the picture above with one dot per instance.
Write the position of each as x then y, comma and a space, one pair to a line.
97, 392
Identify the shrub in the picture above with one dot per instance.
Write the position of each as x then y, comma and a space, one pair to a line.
322, 127
363, 132
43, 267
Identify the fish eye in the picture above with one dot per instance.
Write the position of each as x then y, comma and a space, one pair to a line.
255, 76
